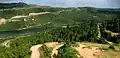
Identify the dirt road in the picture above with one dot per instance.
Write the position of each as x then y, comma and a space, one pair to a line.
16, 17
35, 48
6, 43
41, 13
35, 51
55, 50
82, 50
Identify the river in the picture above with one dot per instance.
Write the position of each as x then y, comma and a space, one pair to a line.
8, 34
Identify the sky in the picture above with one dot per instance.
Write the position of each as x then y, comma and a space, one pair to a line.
72, 3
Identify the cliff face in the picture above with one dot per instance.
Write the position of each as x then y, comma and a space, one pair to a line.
12, 5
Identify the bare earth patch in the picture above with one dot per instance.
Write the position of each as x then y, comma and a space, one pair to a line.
35, 51
30, 14
35, 48
55, 50
86, 50
89, 50
87, 53
33, 14
52, 44
16, 17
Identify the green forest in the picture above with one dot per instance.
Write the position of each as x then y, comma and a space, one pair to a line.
71, 25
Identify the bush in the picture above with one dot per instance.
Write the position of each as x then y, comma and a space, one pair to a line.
66, 52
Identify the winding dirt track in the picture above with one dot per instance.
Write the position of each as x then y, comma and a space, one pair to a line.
55, 50
35, 49
33, 14
83, 50
30, 14
6, 43
16, 17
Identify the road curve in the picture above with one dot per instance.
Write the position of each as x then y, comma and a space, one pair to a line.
35, 51
55, 50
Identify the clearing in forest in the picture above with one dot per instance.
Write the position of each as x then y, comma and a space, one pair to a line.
35, 49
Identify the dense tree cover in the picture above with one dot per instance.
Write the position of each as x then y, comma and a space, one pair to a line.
81, 26
71, 16
58, 16
67, 52
2, 40
12, 5
116, 39
14, 25
20, 46
114, 24
109, 10
23, 25
86, 31
8, 13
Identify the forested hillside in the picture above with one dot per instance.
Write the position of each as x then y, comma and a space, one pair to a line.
64, 25
11, 5
58, 16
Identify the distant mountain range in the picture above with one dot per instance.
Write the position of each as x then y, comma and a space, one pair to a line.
12, 5
90, 9
103, 10
110, 10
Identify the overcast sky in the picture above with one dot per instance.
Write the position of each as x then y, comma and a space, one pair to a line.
72, 3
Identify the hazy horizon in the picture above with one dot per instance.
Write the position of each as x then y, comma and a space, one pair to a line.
72, 3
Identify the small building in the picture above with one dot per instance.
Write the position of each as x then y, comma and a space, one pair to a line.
2, 21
